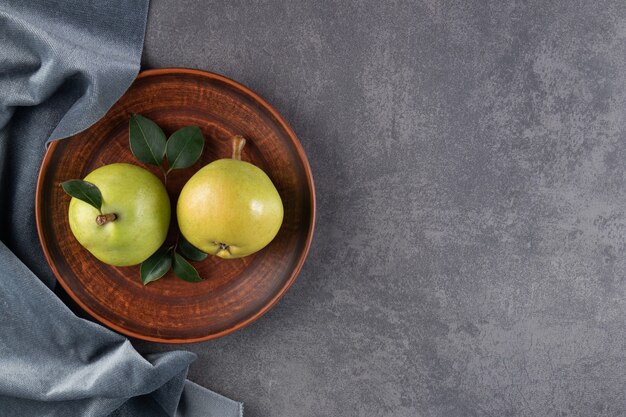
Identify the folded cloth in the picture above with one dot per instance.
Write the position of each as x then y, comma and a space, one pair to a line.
63, 63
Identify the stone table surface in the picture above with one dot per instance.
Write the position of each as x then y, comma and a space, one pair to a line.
470, 163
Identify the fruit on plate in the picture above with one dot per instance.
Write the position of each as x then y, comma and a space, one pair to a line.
230, 208
133, 218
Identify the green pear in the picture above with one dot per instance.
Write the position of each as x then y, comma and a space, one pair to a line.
230, 208
134, 217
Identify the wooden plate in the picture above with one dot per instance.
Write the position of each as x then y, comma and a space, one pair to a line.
234, 292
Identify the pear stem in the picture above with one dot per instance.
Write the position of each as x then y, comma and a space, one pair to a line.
238, 142
103, 219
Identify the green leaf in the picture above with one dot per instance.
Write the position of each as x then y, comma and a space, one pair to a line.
156, 265
147, 140
84, 191
189, 251
184, 147
184, 270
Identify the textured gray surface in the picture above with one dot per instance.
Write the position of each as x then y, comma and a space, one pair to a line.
469, 157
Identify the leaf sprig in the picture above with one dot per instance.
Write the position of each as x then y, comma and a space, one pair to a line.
157, 265
149, 145
181, 150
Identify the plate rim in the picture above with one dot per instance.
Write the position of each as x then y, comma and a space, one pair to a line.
266, 307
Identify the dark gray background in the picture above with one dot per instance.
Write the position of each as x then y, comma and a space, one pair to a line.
469, 158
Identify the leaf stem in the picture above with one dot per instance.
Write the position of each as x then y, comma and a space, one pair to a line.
164, 174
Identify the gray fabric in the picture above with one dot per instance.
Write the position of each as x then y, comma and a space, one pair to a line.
62, 65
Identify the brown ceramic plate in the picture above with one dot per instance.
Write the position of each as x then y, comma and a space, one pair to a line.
234, 292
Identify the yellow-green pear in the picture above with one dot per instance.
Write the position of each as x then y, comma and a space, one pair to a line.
230, 208
133, 220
